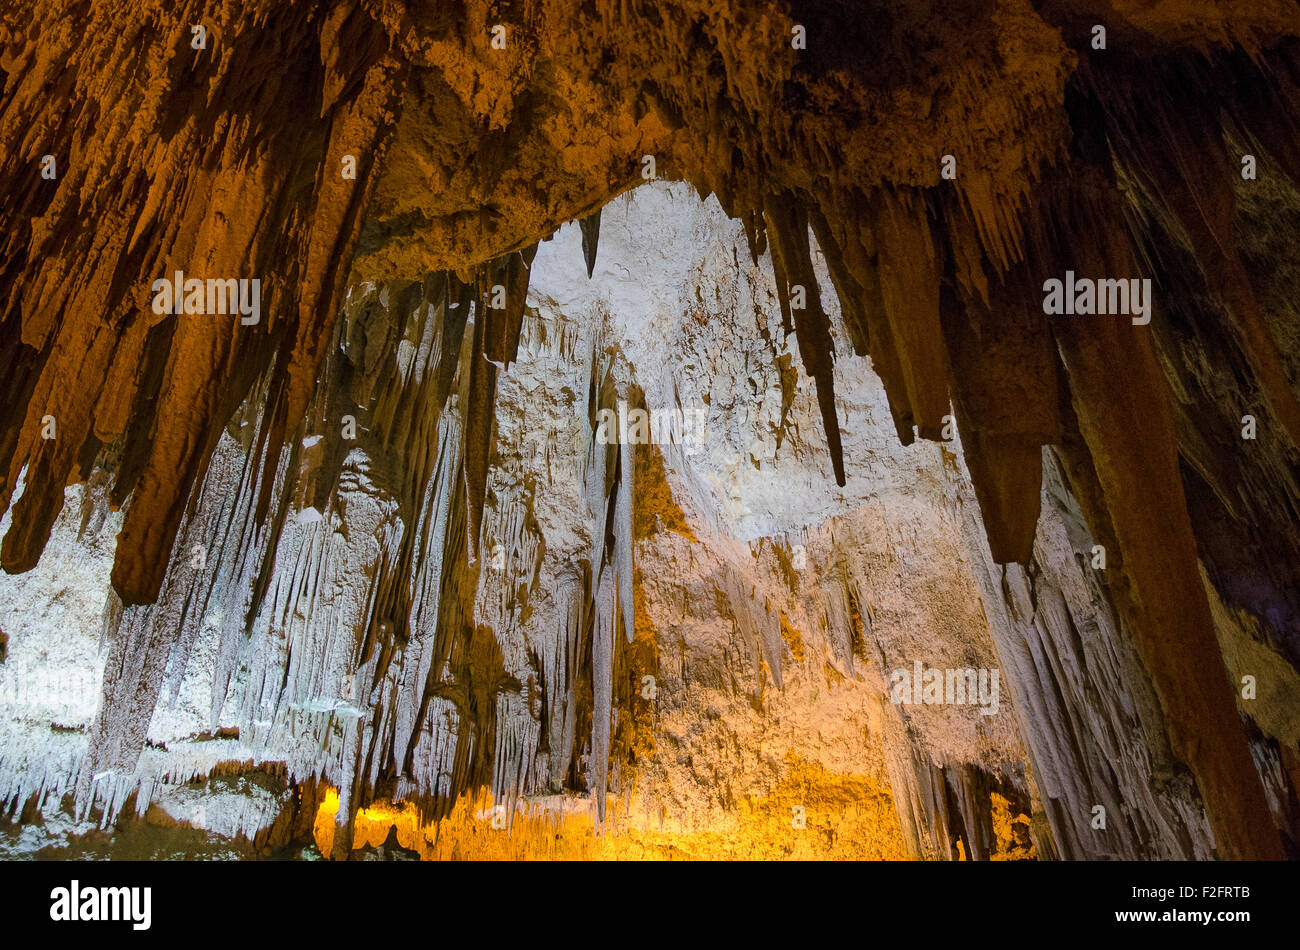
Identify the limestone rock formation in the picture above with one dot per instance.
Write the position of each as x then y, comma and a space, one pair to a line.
373, 543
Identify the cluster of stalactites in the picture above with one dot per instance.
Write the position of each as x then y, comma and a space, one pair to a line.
952, 311
165, 155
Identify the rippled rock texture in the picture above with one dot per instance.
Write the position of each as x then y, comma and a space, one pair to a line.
375, 538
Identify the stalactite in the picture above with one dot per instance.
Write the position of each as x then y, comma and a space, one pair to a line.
787, 227
909, 295
622, 563
1117, 390
590, 239
602, 661
998, 348
1179, 150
